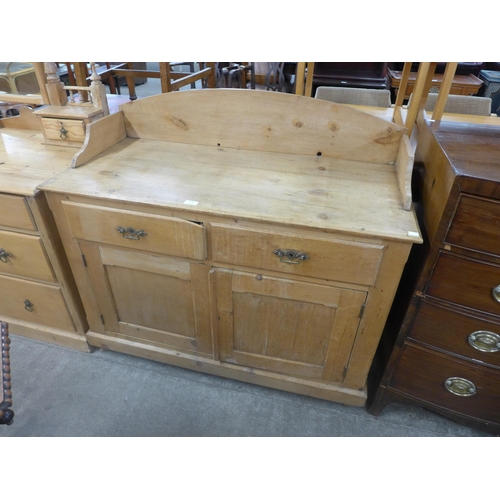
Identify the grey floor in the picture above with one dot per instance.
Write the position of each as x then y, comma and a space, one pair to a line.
60, 392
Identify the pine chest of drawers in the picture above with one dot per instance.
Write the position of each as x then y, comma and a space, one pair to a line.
447, 354
39, 295
253, 235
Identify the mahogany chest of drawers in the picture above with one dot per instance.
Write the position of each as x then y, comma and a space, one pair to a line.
446, 318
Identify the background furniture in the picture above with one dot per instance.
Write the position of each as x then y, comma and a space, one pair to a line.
463, 104
245, 252
363, 97
6, 413
461, 84
491, 88
39, 295
445, 321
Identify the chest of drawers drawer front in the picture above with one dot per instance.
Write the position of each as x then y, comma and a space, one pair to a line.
64, 130
136, 230
24, 255
15, 213
457, 333
34, 302
466, 282
476, 225
426, 376
296, 254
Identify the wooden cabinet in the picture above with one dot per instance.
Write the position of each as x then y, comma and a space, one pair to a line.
39, 295
220, 233
447, 354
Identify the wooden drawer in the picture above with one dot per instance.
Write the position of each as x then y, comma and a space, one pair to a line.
137, 230
34, 302
54, 129
423, 374
466, 282
476, 225
15, 213
327, 257
457, 333
24, 255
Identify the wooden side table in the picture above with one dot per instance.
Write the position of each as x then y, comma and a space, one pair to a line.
461, 85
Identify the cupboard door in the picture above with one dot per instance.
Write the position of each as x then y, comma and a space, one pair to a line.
153, 299
286, 326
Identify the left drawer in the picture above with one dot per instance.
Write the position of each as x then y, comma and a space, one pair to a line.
15, 213
23, 255
34, 302
137, 230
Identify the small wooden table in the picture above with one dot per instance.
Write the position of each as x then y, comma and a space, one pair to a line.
462, 84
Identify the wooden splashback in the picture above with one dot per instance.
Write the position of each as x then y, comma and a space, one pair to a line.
263, 121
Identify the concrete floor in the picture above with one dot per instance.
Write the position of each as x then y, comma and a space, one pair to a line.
60, 392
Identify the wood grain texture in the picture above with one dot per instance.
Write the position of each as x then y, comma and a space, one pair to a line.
272, 122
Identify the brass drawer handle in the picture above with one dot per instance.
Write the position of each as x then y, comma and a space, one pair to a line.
63, 132
460, 386
484, 341
131, 233
4, 256
496, 293
29, 306
291, 256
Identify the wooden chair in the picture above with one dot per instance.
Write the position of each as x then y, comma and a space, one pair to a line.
6, 413
348, 95
170, 80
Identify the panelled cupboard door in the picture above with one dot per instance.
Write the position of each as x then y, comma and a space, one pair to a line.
285, 326
149, 298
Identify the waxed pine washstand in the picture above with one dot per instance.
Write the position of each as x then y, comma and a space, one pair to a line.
247, 234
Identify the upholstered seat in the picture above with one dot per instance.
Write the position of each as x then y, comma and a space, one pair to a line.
463, 104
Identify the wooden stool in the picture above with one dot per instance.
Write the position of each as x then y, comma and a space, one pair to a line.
6, 414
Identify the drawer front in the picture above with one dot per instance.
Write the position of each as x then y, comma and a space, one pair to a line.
457, 333
34, 302
14, 212
426, 376
476, 225
136, 230
325, 258
64, 130
466, 282
24, 255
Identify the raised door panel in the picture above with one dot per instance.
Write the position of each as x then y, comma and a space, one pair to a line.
288, 327
153, 299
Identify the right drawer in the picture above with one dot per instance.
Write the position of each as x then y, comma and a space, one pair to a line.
326, 257
476, 225
136, 230
467, 282
457, 333
14, 212
447, 383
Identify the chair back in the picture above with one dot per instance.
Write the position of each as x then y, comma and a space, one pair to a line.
463, 104
348, 95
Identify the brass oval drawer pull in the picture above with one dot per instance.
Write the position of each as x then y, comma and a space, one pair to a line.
484, 341
460, 386
291, 256
131, 233
4, 256
496, 293
29, 306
